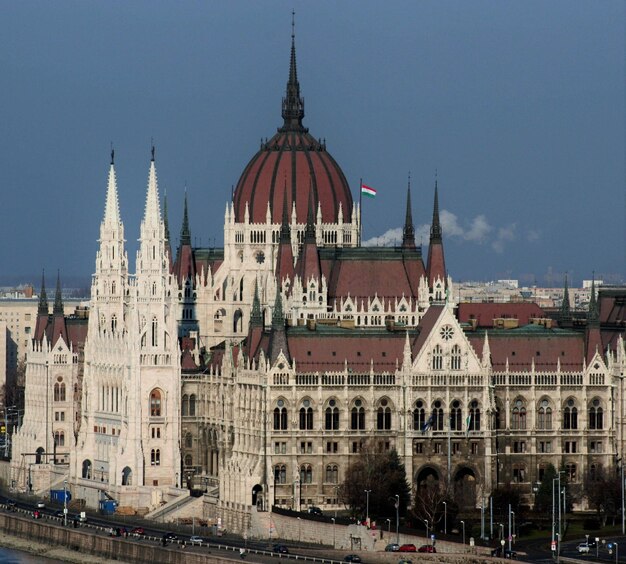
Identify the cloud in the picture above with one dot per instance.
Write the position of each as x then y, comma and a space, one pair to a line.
476, 230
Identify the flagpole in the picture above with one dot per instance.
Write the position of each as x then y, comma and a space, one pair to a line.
360, 211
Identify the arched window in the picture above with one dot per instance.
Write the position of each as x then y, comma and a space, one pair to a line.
455, 358
280, 416
306, 416
280, 474
185, 405
437, 358
87, 469
192, 404
437, 416
114, 323
357, 416
155, 332
474, 416
59, 390
331, 422
332, 474
544, 416
570, 471
188, 440
383, 416
306, 474
59, 438
188, 460
595, 415
518, 415
456, 418
570, 415
419, 416
155, 403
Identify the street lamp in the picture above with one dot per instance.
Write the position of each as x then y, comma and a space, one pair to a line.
510, 527
426, 523
445, 518
333, 520
367, 508
299, 529
388, 526
397, 519
463, 524
65, 503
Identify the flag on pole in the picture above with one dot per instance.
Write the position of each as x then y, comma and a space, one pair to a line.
368, 191
428, 423
468, 423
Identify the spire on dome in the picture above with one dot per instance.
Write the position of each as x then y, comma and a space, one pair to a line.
185, 233
58, 300
42, 309
435, 228
293, 103
565, 313
408, 233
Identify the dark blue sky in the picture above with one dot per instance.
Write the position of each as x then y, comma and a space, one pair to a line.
519, 106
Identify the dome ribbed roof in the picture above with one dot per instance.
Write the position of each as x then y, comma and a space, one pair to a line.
294, 159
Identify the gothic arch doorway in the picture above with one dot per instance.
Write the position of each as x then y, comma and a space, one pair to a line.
257, 496
427, 477
38, 455
465, 488
127, 476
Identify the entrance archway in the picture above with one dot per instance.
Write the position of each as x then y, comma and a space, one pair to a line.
465, 488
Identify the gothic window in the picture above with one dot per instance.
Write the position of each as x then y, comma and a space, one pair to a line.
331, 422
437, 416
332, 474
86, 469
419, 416
306, 474
518, 416
59, 438
595, 415
357, 416
103, 321
280, 474
192, 404
59, 390
544, 416
306, 416
113, 288
188, 440
570, 415
155, 403
155, 457
474, 416
570, 471
455, 359
114, 323
456, 418
437, 358
280, 416
185, 405
155, 332
188, 460
383, 416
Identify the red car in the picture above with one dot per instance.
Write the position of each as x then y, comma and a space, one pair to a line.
426, 548
137, 531
408, 548
36, 514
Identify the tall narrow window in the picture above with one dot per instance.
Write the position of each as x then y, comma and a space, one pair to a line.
419, 416
455, 358
155, 403
456, 418
437, 358
155, 332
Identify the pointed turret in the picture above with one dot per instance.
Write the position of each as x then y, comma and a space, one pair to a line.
593, 316
408, 233
436, 262
293, 103
185, 233
593, 336
58, 298
58, 317
152, 212
42, 311
112, 207
255, 330
185, 266
168, 240
278, 338
565, 312
284, 259
309, 260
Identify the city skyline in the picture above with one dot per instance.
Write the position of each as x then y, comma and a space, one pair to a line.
517, 108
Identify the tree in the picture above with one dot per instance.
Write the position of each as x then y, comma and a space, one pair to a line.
543, 499
429, 502
603, 492
384, 475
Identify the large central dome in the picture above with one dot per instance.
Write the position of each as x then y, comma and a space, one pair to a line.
294, 163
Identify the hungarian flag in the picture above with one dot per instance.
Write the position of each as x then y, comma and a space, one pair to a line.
367, 191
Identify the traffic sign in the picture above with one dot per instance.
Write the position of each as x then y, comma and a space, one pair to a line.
553, 546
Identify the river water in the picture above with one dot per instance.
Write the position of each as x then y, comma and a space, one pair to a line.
10, 556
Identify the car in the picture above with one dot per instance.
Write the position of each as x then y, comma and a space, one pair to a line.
427, 548
404, 561
36, 514
11, 505
352, 558
137, 531
506, 553
195, 539
170, 536
583, 548
113, 531
314, 510
408, 548
393, 547
41, 505
280, 548
59, 513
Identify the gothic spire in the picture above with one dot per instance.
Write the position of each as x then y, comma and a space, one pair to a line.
256, 317
293, 103
112, 208
435, 228
185, 233
152, 212
278, 320
408, 233
285, 232
42, 309
593, 316
565, 313
309, 233
58, 300
166, 222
